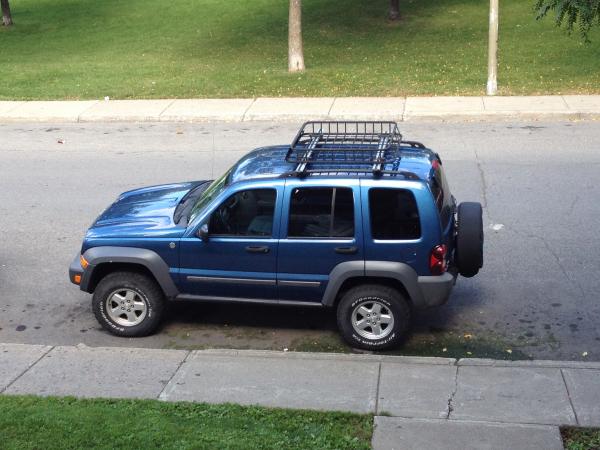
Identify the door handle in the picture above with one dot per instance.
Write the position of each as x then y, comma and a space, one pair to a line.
257, 249
346, 250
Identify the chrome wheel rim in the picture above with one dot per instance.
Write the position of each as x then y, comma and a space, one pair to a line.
126, 307
372, 320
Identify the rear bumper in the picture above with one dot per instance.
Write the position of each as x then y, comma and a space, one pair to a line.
436, 289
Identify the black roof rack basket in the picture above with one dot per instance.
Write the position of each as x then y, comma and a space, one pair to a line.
324, 147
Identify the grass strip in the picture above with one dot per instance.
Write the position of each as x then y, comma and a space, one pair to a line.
577, 438
28, 422
88, 49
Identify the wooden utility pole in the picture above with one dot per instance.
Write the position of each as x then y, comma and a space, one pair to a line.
492, 82
295, 51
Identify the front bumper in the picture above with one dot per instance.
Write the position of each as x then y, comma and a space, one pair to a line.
436, 289
75, 270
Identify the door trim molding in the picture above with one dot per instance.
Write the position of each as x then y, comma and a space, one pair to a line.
252, 281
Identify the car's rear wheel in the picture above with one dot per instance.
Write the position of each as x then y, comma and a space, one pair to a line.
373, 317
468, 255
128, 304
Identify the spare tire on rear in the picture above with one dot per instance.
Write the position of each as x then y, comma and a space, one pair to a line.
468, 255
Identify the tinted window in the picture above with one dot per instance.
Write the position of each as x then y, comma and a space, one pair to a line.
246, 213
439, 188
321, 212
394, 214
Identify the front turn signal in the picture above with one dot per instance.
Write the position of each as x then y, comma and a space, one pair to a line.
77, 279
83, 262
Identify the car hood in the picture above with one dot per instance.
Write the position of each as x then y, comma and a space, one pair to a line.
143, 213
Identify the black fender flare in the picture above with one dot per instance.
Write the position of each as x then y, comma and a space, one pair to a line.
401, 272
129, 255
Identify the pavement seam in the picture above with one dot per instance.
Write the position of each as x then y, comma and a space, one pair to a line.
377, 389
243, 118
403, 112
564, 100
483, 185
189, 352
165, 108
78, 120
2, 391
453, 394
331, 107
569, 395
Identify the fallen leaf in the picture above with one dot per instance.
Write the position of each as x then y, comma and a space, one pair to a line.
468, 336
60, 141
584, 354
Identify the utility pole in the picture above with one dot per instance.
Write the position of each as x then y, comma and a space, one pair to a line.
492, 82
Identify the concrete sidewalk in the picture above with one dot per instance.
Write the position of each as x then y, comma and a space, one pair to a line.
559, 107
433, 403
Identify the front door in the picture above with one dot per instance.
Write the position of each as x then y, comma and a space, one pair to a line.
321, 228
238, 261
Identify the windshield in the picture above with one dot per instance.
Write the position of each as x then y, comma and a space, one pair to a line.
212, 191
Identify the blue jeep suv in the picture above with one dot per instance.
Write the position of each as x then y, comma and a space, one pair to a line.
349, 216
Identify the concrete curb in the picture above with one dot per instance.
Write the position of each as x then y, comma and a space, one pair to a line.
558, 107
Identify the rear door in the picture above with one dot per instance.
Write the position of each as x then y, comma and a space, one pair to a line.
320, 228
397, 222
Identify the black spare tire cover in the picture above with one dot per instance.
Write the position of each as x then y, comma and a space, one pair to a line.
468, 254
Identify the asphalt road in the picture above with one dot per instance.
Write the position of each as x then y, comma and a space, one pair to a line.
537, 295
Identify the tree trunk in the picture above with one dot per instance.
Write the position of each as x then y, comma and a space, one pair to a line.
295, 52
394, 11
6, 17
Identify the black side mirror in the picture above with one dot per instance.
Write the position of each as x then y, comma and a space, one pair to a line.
202, 233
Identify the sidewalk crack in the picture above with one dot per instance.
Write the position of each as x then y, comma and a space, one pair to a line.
165, 108
569, 395
377, 389
248, 109
331, 107
2, 391
173, 376
450, 407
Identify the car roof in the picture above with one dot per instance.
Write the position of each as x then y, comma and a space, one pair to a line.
411, 162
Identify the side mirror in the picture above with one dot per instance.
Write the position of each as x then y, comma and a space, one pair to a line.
202, 233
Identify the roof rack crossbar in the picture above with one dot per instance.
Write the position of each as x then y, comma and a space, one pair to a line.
301, 167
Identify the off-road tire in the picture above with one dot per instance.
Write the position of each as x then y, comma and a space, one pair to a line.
365, 294
468, 255
145, 287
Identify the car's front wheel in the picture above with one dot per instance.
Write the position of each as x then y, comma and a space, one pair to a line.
373, 317
128, 304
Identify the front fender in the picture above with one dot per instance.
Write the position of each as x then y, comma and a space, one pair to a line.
128, 255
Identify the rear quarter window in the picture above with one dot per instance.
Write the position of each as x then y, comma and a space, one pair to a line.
441, 194
394, 214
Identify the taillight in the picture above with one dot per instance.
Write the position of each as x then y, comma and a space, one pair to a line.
437, 260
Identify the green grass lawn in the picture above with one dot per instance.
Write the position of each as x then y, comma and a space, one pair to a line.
85, 49
581, 438
67, 423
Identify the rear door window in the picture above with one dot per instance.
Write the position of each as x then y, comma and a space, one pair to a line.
321, 213
394, 214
